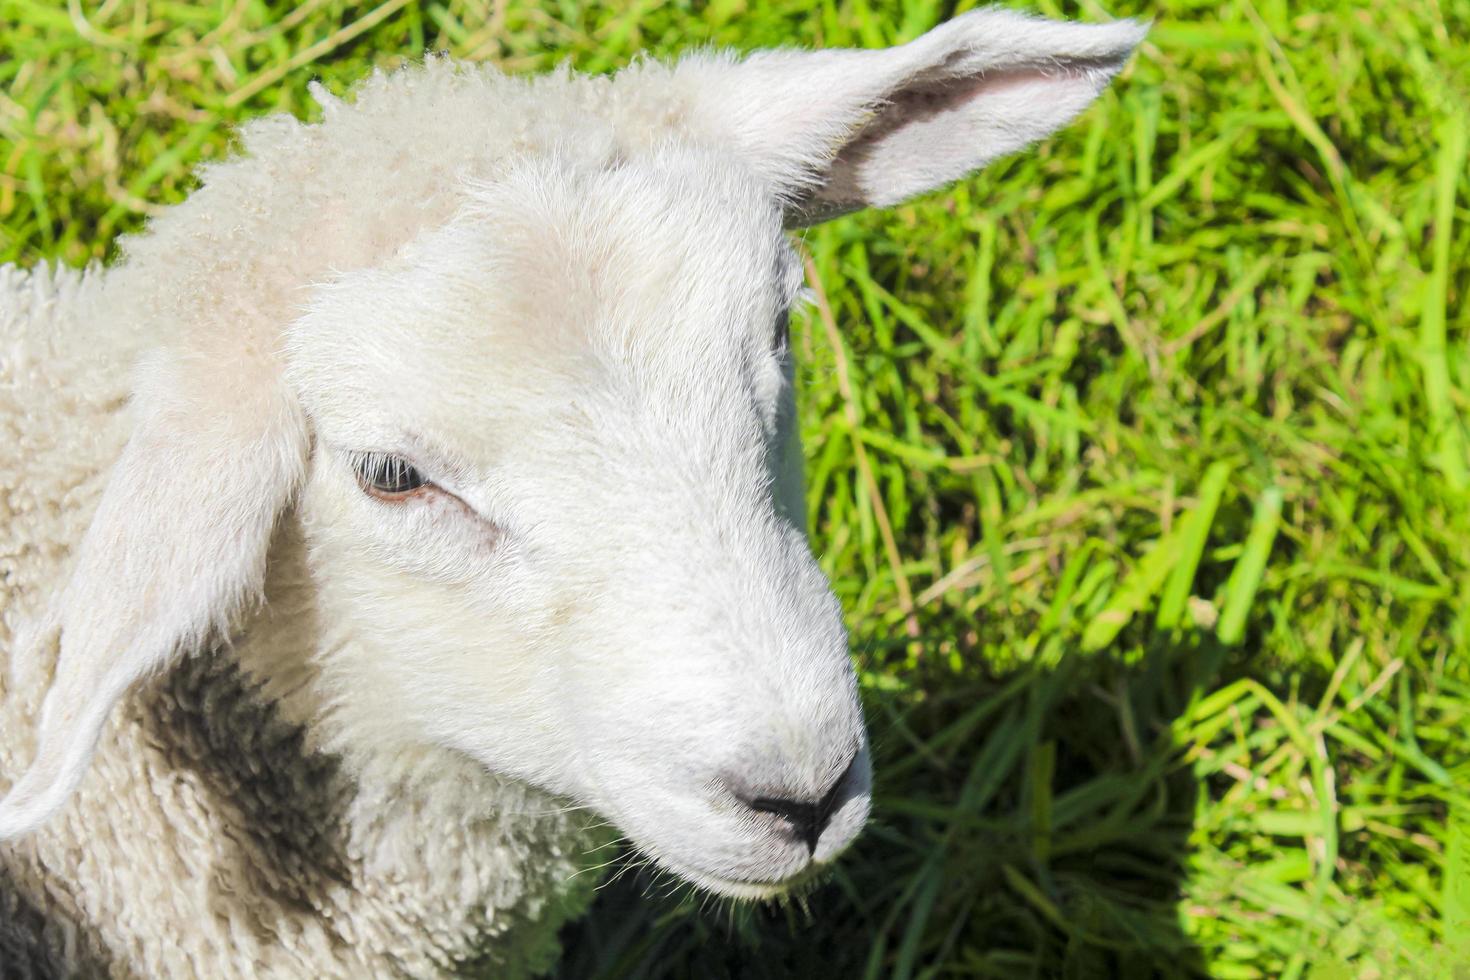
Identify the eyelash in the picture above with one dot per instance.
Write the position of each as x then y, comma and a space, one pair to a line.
388, 477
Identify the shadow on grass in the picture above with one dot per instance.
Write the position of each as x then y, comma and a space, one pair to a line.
1030, 824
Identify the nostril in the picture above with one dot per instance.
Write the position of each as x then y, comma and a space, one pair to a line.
808, 818
804, 818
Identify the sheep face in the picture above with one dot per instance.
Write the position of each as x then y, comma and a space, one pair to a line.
592, 577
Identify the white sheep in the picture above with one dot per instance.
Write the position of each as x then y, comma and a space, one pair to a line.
454, 434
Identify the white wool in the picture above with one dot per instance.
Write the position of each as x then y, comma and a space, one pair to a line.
256, 720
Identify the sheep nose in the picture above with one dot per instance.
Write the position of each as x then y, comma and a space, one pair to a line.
807, 818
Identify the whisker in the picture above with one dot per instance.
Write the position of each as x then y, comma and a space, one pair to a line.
595, 867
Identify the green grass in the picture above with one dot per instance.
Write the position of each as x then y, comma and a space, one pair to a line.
1139, 463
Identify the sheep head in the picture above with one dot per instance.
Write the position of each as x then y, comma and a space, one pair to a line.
543, 455
545, 498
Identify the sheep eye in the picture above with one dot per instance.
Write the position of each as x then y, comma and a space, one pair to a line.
383, 475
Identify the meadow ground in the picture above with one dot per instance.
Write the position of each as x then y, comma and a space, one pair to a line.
1139, 463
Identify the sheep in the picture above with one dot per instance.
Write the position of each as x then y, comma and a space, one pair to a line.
429, 477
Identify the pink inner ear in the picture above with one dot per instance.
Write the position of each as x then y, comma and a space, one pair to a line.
934, 131
924, 100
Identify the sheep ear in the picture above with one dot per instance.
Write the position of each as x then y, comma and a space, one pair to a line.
841, 130
177, 545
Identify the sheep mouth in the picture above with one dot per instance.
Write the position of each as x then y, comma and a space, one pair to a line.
748, 889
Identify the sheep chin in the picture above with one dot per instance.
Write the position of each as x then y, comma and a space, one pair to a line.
747, 890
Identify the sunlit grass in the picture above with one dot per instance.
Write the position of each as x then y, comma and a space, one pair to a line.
1138, 462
